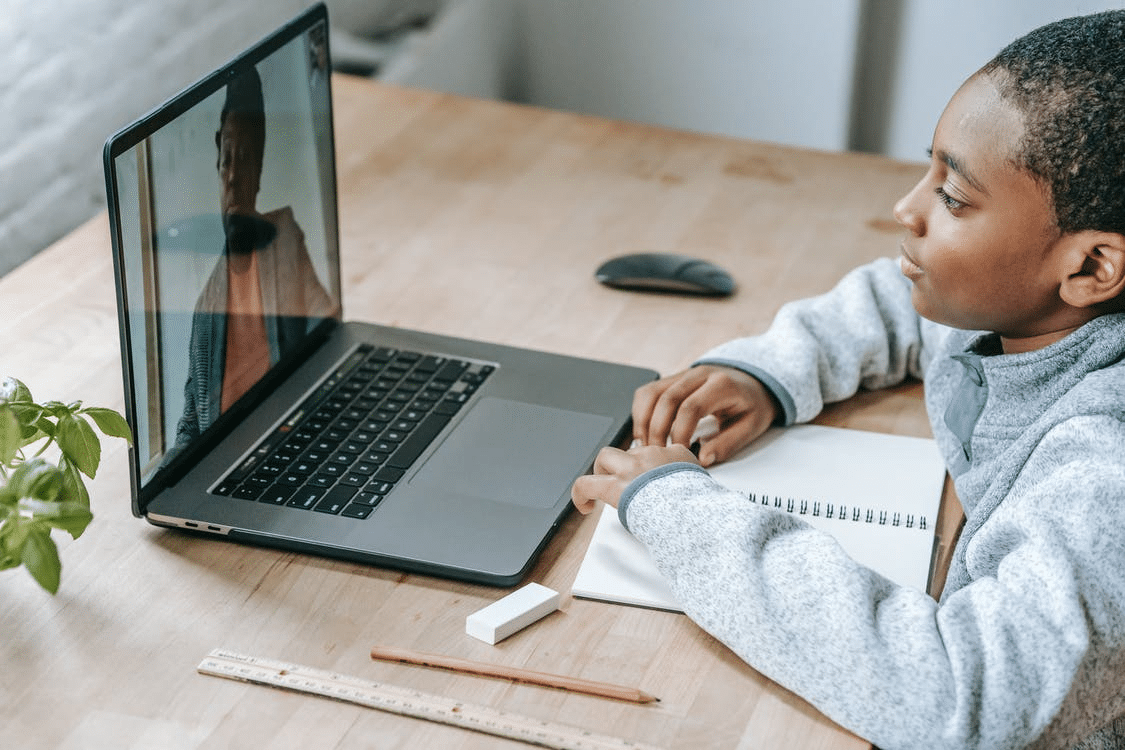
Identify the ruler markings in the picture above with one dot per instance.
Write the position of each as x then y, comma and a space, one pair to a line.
408, 702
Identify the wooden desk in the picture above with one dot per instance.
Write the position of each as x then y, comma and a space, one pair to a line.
492, 218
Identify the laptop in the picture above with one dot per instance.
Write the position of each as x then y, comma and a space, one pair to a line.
259, 415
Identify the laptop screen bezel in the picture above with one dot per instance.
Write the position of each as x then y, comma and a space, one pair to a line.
126, 139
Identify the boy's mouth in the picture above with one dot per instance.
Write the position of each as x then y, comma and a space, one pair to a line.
910, 269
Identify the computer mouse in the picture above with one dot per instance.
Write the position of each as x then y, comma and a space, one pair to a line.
665, 272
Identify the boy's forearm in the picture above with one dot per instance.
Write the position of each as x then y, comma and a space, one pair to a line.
864, 333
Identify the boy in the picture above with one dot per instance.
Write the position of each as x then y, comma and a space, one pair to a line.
1007, 300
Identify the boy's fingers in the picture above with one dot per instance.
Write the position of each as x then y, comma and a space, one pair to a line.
582, 494
651, 415
590, 489
609, 460
644, 401
673, 405
660, 420
731, 438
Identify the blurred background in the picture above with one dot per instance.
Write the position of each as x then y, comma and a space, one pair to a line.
863, 75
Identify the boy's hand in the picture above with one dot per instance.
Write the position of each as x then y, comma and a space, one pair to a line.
669, 409
614, 469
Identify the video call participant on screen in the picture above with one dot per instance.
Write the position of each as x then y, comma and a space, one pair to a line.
263, 294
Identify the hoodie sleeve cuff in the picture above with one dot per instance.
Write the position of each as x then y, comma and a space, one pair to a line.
644, 479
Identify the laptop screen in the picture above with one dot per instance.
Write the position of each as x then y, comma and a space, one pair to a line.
223, 211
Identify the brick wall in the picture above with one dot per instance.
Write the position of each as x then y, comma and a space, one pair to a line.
75, 71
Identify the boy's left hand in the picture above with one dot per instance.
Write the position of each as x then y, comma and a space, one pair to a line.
614, 469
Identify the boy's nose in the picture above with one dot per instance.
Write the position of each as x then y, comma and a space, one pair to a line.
908, 212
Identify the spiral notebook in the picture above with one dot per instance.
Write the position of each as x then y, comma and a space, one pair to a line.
877, 494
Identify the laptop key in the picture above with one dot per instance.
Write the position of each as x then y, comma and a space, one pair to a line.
276, 495
389, 474
375, 457
305, 498
367, 497
291, 480
356, 510
451, 370
258, 480
225, 488
248, 492
335, 500
418, 441
323, 481
304, 468
429, 364
448, 407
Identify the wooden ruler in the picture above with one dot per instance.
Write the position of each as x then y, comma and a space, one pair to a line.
407, 702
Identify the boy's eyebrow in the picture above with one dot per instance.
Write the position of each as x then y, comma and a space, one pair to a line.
959, 167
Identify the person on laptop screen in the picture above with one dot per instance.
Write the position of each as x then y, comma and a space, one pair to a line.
263, 294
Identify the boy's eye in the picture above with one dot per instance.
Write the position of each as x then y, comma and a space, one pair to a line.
950, 202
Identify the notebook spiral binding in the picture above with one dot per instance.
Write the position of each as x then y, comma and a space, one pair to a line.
842, 512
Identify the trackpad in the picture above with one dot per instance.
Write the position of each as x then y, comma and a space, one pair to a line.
514, 452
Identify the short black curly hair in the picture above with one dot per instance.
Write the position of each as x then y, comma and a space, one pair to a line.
1068, 80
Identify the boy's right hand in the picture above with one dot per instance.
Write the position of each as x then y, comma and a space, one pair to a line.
669, 410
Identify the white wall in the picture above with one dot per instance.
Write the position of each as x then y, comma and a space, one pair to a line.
920, 52
869, 75
751, 68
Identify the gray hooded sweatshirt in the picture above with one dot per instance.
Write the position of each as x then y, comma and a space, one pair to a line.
1026, 647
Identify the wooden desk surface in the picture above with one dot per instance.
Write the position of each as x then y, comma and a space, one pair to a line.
493, 218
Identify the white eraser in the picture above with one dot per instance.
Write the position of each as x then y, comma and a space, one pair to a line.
514, 612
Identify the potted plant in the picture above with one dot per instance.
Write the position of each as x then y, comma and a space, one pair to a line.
45, 490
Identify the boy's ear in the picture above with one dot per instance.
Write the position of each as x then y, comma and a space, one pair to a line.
1095, 269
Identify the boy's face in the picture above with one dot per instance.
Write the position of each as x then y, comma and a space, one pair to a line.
982, 240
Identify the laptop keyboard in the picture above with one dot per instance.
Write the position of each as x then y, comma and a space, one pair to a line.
345, 447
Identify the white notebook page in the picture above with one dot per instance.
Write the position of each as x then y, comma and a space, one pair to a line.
877, 494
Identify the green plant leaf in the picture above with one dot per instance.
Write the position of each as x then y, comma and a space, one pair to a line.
47, 484
36, 495
109, 422
41, 558
12, 389
11, 437
15, 534
8, 499
74, 489
72, 517
9, 555
79, 444
36, 478
58, 409
31, 420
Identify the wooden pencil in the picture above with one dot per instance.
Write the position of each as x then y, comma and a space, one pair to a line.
563, 682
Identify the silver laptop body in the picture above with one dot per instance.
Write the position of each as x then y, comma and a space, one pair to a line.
237, 364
